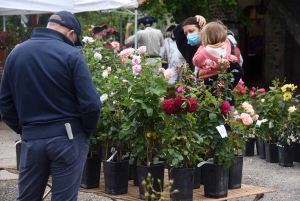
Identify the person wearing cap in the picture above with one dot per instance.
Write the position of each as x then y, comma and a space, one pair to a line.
100, 32
48, 97
150, 37
175, 59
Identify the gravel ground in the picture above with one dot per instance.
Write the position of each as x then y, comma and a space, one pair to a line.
256, 172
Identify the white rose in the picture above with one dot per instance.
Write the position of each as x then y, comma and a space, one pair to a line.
87, 39
103, 98
262, 100
97, 56
292, 109
105, 74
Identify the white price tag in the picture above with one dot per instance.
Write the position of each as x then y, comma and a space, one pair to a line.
222, 131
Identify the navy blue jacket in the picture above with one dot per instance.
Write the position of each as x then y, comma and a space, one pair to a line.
46, 83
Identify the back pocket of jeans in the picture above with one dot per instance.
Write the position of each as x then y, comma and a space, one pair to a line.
62, 150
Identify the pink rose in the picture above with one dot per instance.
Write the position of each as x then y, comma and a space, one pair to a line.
161, 70
127, 52
261, 90
115, 45
225, 107
125, 81
136, 69
109, 69
136, 59
247, 121
142, 50
180, 89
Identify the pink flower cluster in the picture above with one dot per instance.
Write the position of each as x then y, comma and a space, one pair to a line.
224, 63
127, 52
171, 106
253, 89
209, 64
240, 88
248, 116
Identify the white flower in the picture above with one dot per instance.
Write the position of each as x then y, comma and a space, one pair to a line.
87, 39
102, 67
292, 109
168, 74
262, 100
103, 98
105, 74
97, 56
116, 77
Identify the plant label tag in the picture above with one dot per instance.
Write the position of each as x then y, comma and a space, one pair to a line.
222, 131
69, 130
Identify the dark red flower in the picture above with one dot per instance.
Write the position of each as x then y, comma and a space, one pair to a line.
225, 108
178, 103
108, 44
169, 106
233, 134
191, 105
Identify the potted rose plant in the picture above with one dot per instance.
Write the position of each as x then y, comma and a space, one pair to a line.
106, 68
145, 119
181, 143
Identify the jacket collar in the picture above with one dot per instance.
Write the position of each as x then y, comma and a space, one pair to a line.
46, 33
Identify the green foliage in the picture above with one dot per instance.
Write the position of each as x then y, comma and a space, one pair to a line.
179, 10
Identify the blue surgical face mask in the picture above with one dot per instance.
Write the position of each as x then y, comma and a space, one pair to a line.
193, 39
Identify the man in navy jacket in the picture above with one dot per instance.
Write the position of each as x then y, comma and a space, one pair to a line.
47, 95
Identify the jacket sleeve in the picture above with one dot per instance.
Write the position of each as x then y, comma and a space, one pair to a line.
163, 50
7, 107
199, 57
87, 95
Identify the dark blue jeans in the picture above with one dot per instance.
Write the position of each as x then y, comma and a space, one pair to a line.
59, 157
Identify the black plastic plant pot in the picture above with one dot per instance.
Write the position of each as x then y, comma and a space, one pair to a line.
249, 147
156, 171
286, 156
197, 177
261, 148
256, 146
271, 152
296, 146
215, 181
236, 173
116, 177
183, 182
91, 173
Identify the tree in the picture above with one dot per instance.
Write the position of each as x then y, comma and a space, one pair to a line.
178, 10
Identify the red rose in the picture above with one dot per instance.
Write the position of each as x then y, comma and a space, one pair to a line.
108, 44
233, 134
225, 108
169, 106
192, 105
178, 103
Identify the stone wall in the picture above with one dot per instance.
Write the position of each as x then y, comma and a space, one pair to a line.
274, 48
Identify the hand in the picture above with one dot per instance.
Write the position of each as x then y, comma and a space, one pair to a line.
128, 26
201, 20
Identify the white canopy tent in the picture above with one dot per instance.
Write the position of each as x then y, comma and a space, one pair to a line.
26, 7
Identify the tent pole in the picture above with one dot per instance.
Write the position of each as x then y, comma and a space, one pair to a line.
120, 32
135, 29
4, 23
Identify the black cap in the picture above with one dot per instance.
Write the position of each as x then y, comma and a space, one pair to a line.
70, 21
98, 29
147, 20
171, 28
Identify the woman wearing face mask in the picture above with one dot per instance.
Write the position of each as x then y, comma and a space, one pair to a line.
100, 31
187, 36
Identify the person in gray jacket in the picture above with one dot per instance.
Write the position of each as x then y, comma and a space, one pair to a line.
175, 59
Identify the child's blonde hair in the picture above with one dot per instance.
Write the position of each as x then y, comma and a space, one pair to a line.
213, 33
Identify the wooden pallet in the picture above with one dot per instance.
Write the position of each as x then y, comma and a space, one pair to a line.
198, 194
133, 191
